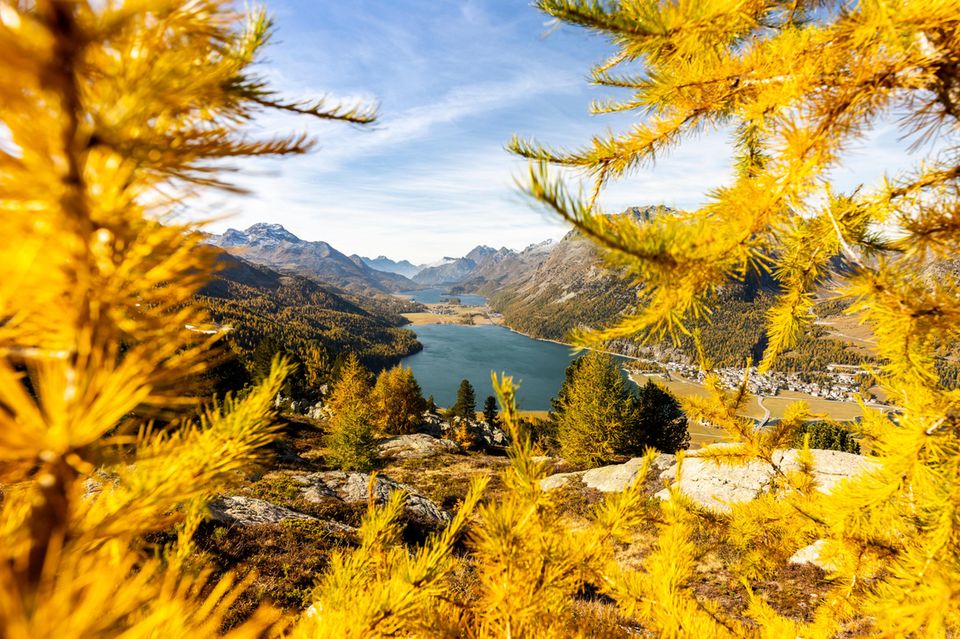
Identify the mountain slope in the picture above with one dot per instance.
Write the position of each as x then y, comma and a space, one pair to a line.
274, 246
296, 312
454, 270
497, 269
571, 288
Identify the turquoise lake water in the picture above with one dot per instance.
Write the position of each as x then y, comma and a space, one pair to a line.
452, 352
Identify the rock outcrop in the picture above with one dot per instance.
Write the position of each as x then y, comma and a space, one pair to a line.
246, 511
610, 479
486, 435
718, 486
353, 488
711, 484
416, 446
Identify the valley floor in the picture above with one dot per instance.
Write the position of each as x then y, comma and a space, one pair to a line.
453, 314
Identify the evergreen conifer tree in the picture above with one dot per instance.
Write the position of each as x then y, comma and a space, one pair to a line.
490, 410
661, 423
466, 404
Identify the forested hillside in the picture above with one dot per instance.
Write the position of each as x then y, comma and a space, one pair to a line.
298, 314
572, 288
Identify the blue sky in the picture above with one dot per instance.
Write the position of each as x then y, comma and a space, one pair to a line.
454, 80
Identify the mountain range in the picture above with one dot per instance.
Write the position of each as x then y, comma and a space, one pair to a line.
546, 290
385, 264
274, 246
298, 313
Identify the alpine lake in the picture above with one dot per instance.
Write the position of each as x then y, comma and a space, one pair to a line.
454, 351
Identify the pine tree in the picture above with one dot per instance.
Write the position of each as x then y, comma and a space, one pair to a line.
466, 404
351, 437
826, 436
112, 114
490, 410
661, 423
598, 415
398, 401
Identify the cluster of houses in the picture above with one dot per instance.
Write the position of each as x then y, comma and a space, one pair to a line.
838, 383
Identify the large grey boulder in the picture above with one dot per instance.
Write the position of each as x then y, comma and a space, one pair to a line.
353, 488
431, 424
718, 486
245, 511
610, 479
239, 510
416, 446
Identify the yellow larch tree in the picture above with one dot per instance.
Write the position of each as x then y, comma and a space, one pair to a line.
112, 112
797, 84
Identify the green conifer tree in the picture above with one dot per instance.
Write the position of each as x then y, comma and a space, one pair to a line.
466, 404
490, 412
661, 423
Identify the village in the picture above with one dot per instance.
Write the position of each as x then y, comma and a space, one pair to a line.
839, 383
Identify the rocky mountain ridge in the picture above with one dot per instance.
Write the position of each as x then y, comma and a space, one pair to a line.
453, 270
385, 264
274, 246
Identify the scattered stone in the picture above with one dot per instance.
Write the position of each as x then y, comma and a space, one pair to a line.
431, 424
245, 511
318, 412
486, 435
416, 446
718, 485
353, 488
811, 555
560, 479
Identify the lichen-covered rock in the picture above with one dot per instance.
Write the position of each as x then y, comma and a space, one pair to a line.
245, 511
560, 479
431, 424
718, 486
610, 479
353, 488
416, 446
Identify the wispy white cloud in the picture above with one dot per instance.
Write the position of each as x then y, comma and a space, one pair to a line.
455, 80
